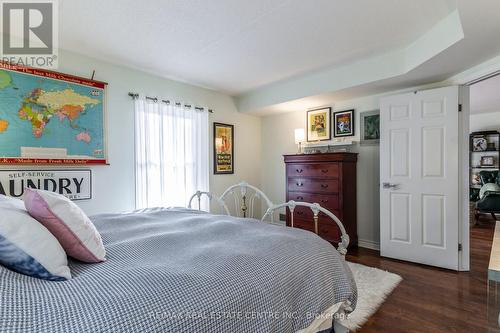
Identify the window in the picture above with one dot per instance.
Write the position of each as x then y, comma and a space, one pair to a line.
171, 153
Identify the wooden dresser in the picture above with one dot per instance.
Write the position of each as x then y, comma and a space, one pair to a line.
330, 180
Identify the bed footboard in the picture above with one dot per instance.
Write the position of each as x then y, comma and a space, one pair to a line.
316, 209
245, 196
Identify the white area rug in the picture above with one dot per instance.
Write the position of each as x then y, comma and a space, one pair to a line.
374, 285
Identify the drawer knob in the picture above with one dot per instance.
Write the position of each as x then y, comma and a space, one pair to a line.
300, 213
299, 170
300, 198
324, 200
324, 170
300, 184
324, 185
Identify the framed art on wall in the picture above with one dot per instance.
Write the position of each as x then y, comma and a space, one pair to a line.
74, 184
487, 161
370, 127
343, 122
223, 149
479, 143
318, 124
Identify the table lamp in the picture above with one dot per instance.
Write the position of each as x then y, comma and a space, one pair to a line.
299, 138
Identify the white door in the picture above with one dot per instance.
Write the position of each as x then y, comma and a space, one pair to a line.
419, 176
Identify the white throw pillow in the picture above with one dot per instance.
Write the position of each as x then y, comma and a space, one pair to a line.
27, 247
68, 223
488, 187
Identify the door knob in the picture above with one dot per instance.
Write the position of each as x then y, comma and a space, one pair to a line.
390, 186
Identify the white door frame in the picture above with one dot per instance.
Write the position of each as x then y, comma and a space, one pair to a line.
463, 171
466, 79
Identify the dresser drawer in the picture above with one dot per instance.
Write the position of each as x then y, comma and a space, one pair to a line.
302, 212
328, 201
330, 170
326, 230
313, 185
330, 233
303, 224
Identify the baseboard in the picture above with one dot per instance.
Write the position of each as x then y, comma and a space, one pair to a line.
368, 244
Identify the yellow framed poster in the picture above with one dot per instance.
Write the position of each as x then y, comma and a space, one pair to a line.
223, 149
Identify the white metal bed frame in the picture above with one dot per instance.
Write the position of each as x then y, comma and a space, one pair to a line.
316, 209
211, 197
245, 196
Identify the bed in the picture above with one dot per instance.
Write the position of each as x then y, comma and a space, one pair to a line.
183, 270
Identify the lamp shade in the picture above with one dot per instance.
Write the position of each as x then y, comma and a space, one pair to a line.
299, 135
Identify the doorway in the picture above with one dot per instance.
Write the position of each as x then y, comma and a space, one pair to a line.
484, 151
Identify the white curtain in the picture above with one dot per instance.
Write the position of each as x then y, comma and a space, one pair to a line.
171, 152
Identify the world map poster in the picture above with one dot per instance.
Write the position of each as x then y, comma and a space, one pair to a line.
50, 118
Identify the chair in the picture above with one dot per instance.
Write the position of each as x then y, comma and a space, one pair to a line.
316, 209
211, 197
243, 200
490, 203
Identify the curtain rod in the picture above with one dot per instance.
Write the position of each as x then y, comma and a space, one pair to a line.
155, 99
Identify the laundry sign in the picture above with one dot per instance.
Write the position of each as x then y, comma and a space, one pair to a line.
73, 184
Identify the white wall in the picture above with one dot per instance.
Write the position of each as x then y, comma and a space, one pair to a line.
485, 121
278, 139
113, 185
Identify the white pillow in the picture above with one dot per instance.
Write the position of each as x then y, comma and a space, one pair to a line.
488, 187
68, 223
27, 247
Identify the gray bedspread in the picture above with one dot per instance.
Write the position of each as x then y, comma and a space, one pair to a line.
175, 270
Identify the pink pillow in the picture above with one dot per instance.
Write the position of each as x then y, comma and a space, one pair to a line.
67, 222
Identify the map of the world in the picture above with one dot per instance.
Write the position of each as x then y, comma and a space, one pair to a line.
48, 117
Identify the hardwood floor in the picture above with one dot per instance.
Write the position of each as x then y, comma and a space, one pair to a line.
437, 300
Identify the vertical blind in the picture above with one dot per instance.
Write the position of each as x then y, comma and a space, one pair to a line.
171, 153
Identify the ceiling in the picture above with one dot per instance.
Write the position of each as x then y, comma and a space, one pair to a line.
236, 46
260, 51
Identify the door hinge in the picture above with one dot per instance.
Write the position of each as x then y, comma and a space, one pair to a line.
459, 107
459, 247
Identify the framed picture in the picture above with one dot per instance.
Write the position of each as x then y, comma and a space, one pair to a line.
479, 143
74, 184
370, 127
343, 122
318, 124
223, 149
487, 160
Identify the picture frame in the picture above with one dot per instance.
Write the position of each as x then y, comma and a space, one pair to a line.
487, 161
74, 184
319, 124
223, 149
370, 127
343, 122
479, 143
